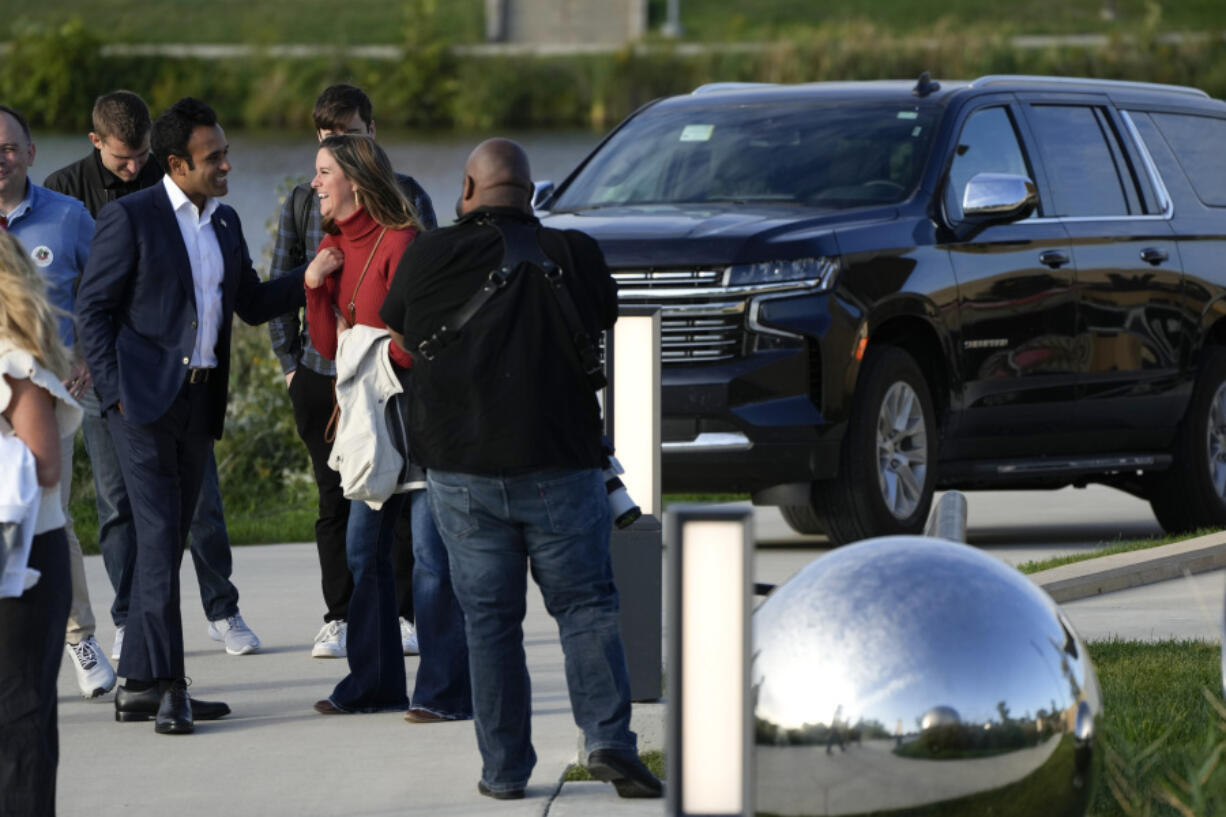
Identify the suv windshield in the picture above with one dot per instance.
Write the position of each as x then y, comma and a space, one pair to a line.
815, 155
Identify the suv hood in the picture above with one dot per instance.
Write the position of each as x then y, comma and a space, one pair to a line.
667, 235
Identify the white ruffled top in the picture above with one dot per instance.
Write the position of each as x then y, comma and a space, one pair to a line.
21, 365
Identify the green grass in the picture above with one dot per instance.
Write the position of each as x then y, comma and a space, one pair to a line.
1109, 550
673, 499
295, 523
383, 22
653, 759
1163, 722
275, 527
376, 22
278, 523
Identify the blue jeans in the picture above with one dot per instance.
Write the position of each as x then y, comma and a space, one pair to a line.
376, 679
210, 543
442, 685
556, 523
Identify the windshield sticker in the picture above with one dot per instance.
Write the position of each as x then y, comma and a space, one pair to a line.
697, 133
908, 114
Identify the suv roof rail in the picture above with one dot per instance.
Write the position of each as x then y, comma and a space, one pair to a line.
716, 87
1030, 79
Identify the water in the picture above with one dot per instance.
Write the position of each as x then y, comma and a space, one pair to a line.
262, 163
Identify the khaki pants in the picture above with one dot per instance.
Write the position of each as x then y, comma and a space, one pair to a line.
80, 614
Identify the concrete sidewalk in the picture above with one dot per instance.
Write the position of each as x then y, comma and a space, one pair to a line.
274, 756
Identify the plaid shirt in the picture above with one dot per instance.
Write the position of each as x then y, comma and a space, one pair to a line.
291, 342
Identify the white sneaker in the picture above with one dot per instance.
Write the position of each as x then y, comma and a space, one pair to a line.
408, 637
330, 642
236, 635
94, 674
117, 645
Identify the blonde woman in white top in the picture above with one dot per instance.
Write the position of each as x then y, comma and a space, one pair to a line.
36, 409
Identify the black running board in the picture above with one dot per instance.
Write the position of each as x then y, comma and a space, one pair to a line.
1041, 467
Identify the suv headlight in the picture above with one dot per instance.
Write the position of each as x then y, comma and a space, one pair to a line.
819, 270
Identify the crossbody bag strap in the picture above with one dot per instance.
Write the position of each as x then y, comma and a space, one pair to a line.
354, 297
333, 418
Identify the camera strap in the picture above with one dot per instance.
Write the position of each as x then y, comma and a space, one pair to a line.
521, 246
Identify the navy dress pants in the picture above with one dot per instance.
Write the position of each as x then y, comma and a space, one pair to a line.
163, 465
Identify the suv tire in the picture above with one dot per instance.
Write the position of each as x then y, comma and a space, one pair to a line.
887, 468
802, 519
1191, 494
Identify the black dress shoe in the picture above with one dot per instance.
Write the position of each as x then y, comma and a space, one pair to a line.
174, 715
500, 794
143, 705
626, 772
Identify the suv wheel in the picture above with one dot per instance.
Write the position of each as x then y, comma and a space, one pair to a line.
802, 519
887, 468
1191, 494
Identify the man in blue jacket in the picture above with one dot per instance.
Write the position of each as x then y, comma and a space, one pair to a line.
168, 269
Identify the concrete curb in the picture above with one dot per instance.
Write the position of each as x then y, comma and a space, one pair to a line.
1120, 571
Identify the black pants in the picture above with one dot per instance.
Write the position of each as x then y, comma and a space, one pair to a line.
311, 395
31, 646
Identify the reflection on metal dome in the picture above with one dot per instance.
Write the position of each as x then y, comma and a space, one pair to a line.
939, 716
908, 674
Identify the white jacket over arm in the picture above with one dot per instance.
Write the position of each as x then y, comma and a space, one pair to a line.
371, 426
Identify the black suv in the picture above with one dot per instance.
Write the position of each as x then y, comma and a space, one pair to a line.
871, 290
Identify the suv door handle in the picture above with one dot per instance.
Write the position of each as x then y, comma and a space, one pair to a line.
1153, 255
1053, 258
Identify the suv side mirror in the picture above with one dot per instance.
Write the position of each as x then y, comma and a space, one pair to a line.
541, 192
999, 197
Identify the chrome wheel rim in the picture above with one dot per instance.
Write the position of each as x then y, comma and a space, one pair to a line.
902, 449
1216, 441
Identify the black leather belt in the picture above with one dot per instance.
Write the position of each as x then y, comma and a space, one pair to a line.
195, 376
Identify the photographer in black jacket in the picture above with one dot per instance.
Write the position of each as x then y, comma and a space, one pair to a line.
504, 417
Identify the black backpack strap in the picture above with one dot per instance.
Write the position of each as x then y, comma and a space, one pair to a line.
300, 206
448, 332
521, 245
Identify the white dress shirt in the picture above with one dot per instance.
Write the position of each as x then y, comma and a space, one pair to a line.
204, 253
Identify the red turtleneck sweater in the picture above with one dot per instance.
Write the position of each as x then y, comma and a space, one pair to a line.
358, 235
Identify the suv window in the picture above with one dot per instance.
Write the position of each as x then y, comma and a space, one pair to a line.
830, 155
1198, 142
988, 144
1082, 159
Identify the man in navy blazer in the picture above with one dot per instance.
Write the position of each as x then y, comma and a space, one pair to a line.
168, 269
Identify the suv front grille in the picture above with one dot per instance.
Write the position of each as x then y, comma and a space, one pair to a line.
695, 327
703, 334
668, 283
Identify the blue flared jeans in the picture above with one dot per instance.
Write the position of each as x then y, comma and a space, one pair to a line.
376, 679
442, 684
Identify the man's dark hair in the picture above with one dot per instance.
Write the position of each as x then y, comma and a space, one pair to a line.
21, 120
123, 115
173, 129
337, 104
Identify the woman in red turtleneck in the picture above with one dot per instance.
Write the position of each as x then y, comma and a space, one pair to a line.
369, 221
368, 224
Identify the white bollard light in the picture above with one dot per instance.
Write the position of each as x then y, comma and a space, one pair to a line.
636, 403
710, 757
